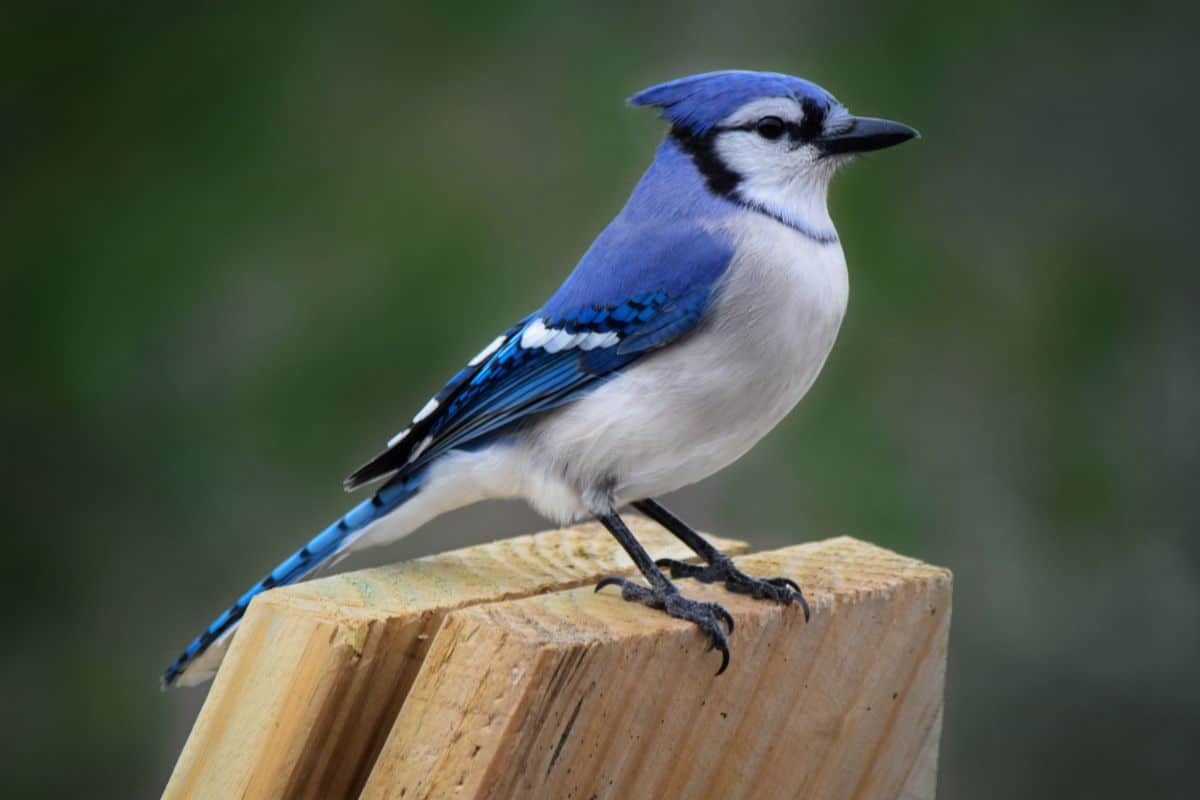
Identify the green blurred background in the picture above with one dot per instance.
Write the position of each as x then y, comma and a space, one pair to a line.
240, 247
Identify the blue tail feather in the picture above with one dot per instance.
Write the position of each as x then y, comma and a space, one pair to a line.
322, 547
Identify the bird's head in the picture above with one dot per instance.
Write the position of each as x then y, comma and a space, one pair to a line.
765, 138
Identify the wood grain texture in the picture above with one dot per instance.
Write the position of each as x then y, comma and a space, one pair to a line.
581, 695
318, 671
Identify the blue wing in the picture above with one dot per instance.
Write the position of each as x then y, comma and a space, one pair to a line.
630, 295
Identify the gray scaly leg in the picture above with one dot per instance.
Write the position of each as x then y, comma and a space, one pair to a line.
664, 595
720, 566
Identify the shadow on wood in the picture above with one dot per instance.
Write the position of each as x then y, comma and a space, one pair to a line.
527, 690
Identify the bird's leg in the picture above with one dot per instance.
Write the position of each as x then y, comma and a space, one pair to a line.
720, 566
663, 594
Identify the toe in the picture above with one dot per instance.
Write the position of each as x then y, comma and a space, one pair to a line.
679, 569
720, 613
788, 582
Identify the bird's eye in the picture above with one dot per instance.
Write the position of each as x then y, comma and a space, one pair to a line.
770, 127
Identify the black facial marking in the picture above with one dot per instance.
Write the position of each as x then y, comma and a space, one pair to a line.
771, 127
720, 178
814, 120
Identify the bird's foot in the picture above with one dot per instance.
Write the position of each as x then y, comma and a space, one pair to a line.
779, 590
707, 616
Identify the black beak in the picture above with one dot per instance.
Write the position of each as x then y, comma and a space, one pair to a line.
862, 134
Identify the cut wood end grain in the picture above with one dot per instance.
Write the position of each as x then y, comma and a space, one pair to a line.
585, 695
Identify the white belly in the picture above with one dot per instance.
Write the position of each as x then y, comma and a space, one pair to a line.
695, 407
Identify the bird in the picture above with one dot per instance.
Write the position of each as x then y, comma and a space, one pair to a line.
696, 320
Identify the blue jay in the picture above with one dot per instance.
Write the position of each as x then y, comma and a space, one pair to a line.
696, 320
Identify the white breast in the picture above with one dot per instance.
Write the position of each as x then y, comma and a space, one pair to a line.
686, 412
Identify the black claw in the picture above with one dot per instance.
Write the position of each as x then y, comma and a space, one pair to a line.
717, 642
708, 617
725, 617
664, 595
610, 580
718, 568
788, 582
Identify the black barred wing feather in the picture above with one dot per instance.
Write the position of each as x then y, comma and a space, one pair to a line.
536, 365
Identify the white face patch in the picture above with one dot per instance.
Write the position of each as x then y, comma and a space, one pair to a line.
785, 108
785, 178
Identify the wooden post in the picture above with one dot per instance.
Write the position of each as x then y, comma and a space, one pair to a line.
582, 695
318, 671
477, 675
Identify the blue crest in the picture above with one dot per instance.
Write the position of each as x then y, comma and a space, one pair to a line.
698, 102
